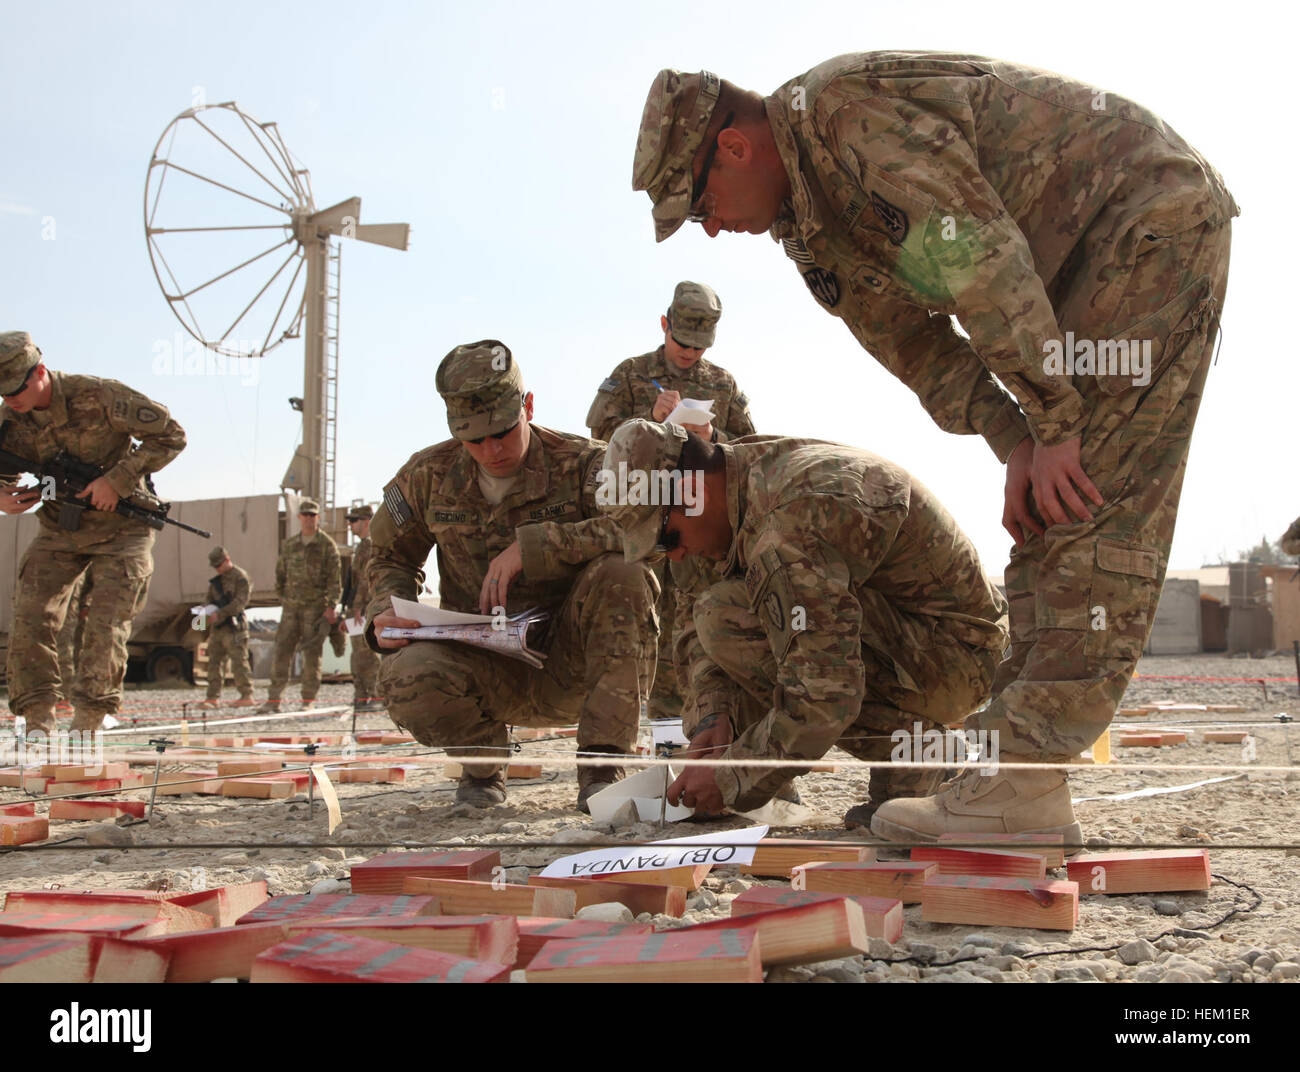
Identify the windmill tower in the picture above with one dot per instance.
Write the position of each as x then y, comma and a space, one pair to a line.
217, 165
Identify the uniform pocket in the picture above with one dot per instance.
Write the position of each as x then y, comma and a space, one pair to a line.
1121, 599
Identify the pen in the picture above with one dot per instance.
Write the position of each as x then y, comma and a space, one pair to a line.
657, 384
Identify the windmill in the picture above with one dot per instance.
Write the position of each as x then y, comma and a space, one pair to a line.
237, 208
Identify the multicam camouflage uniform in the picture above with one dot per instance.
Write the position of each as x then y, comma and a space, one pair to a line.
1026, 206
365, 663
228, 630
307, 582
601, 638
95, 420
74, 628
1291, 538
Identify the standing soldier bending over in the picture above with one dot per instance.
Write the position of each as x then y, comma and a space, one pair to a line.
228, 629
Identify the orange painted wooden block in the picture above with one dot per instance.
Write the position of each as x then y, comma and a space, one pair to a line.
225, 904
99, 785
1156, 871
1049, 846
127, 962
27, 809
386, 873
463, 898
48, 958
776, 857
688, 878
1225, 736
981, 861
386, 775
514, 770
729, 955
22, 829
102, 810
259, 788
234, 768
536, 931
803, 934
16, 924
146, 904
177, 783
339, 905
484, 938
29, 778
84, 772
882, 916
382, 737
1168, 737
987, 900
636, 896
1140, 740
901, 881
333, 957
225, 953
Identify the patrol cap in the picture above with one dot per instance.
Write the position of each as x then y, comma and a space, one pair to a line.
655, 449
673, 124
308, 506
18, 356
483, 389
693, 315
360, 513
216, 556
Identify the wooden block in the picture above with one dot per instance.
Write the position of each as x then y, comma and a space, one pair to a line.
514, 770
776, 857
204, 782
483, 938
27, 809
227, 953
101, 810
1049, 846
536, 931
803, 934
99, 785
145, 904
23, 829
901, 881
326, 906
688, 878
882, 916
1225, 736
1140, 740
1170, 737
387, 775
462, 898
16, 924
48, 958
84, 772
385, 874
333, 957
382, 737
728, 955
986, 900
636, 896
225, 904
233, 768
261, 788
981, 861
1156, 871
128, 962
1224, 709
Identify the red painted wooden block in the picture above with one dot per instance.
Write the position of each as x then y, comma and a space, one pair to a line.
22, 829
483, 938
127, 962
536, 931
1156, 871
894, 880
883, 916
225, 904
803, 934
327, 905
688, 878
386, 775
1049, 846
1140, 740
27, 809
332, 957
15, 924
146, 904
636, 896
84, 772
227, 953
985, 900
102, 810
729, 955
462, 898
384, 737
99, 785
981, 861
385, 873
48, 958
775, 857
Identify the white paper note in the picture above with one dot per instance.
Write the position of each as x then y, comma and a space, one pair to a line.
724, 847
407, 608
646, 791
354, 627
691, 411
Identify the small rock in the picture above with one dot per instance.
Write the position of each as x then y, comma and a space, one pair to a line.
789, 975
1288, 969
1015, 949
924, 952
1251, 954
104, 858
606, 912
879, 949
1167, 907
985, 940
1084, 970
330, 885
1138, 952
704, 899
954, 977
1263, 964
517, 875
645, 917
1176, 976
232, 858
315, 869
836, 975
404, 822
259, 875
337, 853
1096, 842
511, 827
1188, 831
1005, 963
517, 976
411, 809
1166, 944
1183, 932
1149, 973
573, 836
108, 834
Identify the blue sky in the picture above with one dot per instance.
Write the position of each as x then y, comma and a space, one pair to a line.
503, 133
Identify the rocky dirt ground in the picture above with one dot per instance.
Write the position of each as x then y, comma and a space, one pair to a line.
1246, 928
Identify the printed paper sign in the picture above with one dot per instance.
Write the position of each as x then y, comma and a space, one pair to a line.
724, 847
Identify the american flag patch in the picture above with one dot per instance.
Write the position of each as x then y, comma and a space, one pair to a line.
396, 505
796, 250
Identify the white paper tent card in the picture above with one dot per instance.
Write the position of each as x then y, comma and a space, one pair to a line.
646, 791
723, 847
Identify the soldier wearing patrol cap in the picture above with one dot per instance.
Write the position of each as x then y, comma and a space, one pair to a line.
510, 508
1083, 247
356, 594
852, 607
127, 435
307, 580
651, 386
227, 629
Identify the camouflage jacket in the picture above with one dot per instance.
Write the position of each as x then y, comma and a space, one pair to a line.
434, 501
359, 594
307, 574
629, 393
233, 586
96, 421
931, 186
820, 532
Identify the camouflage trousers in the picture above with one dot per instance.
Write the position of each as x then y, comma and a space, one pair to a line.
74, 628
365, 670
1083, 597
952, 679
118, 569
302, 628
665, 697
599, 667
226, 642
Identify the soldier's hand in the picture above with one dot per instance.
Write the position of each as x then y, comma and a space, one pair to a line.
696, 787
18, 500
358, 617
101, 493
1055, 475
665, 404
1017, 518
501, 571
704, 431
331, 615
389, 620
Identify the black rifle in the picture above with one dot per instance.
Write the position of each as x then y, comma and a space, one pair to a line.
71, 476
236, 622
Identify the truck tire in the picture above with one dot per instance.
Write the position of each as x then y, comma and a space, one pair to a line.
170, 664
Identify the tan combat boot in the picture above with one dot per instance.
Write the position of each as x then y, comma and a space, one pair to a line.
592, 779
40, 719
87, 721
887, 785
271, 707
1013, 801
482, 792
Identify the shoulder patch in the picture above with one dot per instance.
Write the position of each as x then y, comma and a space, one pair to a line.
610, 385
120, 408
396, 505
146, 414
742, 400
772, 598
824, 285
893, 217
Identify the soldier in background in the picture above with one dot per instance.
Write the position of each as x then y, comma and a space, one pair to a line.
129, 436
356, 594
1291, 538
852, 607
650, 386
228, 629
74, 627
307, 582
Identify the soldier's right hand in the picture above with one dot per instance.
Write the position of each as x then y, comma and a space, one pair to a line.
18, 500
389, 620
665, 404
1017, 517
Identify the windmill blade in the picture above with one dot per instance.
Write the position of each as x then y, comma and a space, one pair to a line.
393, 235
338, 218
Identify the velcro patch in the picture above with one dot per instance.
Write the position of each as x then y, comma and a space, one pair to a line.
610, 385
396, 505
742, 400
120, 408
893, 217
545, 513
824, 285
450, 517
146, 415
771, 597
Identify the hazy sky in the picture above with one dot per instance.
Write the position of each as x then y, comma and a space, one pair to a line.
503, 133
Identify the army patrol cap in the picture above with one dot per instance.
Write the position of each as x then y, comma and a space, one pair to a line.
673, 124
216, 556
483, 389
693, 315
647, 446
309, 506
18, 356
360, 513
